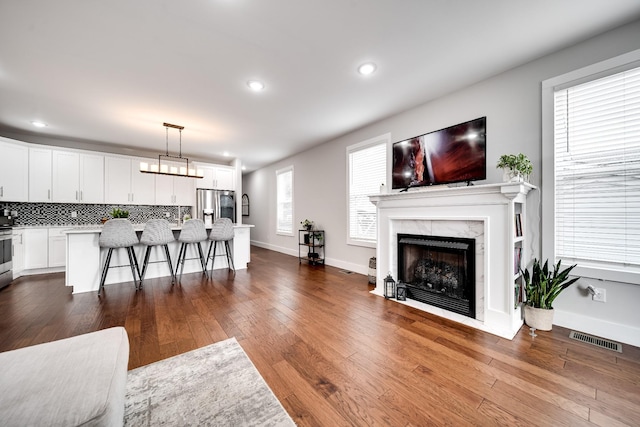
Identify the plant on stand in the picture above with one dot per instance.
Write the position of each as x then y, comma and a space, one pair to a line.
307, 225
542, 286
516, 167
317, 238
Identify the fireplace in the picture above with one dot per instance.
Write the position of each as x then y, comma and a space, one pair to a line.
483, 213
439, 271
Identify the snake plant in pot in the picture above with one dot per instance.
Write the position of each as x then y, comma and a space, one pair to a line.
542, 286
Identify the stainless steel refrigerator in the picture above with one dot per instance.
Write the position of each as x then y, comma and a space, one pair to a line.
214, 204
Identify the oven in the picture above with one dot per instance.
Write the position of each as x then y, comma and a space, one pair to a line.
6, 264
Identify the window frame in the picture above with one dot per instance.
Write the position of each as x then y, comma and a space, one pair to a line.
282, 171
384, 139
592, 72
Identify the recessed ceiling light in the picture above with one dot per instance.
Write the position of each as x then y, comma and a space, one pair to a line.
366, 69
255, 85
244, 168
39, 124
226, 154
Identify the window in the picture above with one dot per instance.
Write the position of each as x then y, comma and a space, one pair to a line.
284, 201
366, 170
596, 174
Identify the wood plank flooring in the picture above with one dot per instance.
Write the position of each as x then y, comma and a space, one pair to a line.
335, 355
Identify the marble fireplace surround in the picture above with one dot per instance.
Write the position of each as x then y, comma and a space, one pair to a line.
483, 213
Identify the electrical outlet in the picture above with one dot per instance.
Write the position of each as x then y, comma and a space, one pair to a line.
601, 295
167, 214
74, 214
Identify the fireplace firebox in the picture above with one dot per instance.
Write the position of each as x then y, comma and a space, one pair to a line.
439, 271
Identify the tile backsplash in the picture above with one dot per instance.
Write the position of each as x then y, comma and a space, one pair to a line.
34, 214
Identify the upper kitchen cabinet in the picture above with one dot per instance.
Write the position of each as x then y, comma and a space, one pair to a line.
77, 177
125, 184
91, 178
217, 177
14, 171
40, 174
66, 176
175, 190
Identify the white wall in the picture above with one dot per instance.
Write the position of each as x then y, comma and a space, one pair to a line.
512, 104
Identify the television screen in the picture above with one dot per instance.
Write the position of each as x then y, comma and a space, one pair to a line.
453, 154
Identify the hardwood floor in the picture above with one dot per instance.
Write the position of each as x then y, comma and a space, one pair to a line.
336, 355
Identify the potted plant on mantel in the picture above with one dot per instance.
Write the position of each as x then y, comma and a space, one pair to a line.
516, 167
542, 287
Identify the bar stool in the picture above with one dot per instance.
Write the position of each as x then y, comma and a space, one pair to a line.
157, 232
221, 231
193, 231
118, 233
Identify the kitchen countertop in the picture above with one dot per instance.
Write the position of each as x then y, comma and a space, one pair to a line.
97, 228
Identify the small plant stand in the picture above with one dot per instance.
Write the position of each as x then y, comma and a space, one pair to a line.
313, 247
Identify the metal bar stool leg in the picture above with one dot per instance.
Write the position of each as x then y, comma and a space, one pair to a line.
103, 277
135, 262
134, 267
184, 256
202, 263
166, 251
206, 261
145, 263
213, 257
229, 256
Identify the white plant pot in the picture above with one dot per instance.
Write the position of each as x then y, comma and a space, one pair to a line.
511, 176
538, 318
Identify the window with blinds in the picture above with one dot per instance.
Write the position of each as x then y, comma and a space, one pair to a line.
597, 172
367, 164
284, 201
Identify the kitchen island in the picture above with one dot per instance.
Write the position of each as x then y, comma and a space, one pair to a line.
85, 259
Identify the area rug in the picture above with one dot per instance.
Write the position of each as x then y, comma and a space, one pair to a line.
217, 385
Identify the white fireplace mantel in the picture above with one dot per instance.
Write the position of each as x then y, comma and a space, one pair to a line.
485, 213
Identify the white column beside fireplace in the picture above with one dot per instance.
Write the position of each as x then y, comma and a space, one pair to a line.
485, 213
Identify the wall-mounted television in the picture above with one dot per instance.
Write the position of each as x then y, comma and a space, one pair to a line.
453, 154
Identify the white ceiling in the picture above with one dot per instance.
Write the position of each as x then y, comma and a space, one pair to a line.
111, 72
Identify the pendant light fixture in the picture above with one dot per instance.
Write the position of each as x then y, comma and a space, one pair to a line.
176, 168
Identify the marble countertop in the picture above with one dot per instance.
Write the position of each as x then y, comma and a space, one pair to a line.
97, 228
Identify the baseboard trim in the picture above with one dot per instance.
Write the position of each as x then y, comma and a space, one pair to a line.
598, 327
356, 268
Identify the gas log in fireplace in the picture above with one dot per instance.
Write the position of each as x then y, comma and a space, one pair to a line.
439, 271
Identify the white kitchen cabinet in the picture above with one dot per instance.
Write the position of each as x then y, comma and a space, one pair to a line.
125, 184
216, 177
18, 253
77, 177
66, 176
39, 174
224, 178
143, 185
36, 248
184, 191
117, 189
91, 178
14, 171
175, 190
57, 249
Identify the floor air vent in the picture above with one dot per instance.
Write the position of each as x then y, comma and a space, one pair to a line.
346, 272
599, 342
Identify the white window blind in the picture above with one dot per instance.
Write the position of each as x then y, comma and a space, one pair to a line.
597, 172
367, 170
284, 200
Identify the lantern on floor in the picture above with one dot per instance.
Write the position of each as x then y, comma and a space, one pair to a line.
401, 291
389, 287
